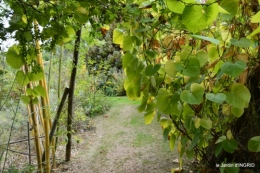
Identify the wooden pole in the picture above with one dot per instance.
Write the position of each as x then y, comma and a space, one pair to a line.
71, 94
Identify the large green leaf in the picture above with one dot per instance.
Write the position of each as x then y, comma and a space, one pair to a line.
256, 31
230, 6
36, 76
221, 139
148, 117
70, 32
22, 78
152, 69
194, 96
243, 42
163, 99
13, 58
256, 18
198, 17
25, 99
212, 40
218, 150
202, 56
170, 68
40, 91
192, 67
118, 36
127, 43
233, 69
186, 52
254, 144
206, 123
229, 145
239, 96
172, 141
133, 87
213, 54
232, 169
217, 98
143, 104
237, 111
175, 6
127, 58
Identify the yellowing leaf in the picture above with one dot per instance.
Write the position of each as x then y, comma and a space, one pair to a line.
118, 36
229, 134
148, 117
206, 123
256, 18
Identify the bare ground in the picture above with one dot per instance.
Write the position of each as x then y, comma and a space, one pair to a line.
121, 143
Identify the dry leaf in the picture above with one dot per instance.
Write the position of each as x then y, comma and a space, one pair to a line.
243, 57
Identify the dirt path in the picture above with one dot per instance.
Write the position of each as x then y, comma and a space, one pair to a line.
121, 143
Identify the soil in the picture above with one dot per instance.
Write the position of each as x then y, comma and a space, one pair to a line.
120, 142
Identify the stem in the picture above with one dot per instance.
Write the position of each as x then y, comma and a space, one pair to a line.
71, 94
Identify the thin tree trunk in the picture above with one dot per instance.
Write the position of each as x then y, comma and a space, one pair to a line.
71, 94
57, 117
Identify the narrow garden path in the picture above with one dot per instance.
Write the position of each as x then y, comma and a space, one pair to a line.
121, 143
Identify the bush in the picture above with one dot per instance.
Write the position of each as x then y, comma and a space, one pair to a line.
113, 83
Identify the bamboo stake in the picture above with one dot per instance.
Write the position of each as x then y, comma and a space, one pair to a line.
59, 76
33, 120
45, 103
49, 75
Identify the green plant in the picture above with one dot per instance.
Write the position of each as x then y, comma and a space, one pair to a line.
194, 66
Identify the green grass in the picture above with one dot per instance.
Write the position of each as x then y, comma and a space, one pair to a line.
143, 139
123, 100
137, 120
